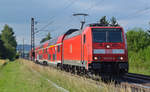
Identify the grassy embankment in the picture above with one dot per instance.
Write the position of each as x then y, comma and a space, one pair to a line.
139, 62
21, 76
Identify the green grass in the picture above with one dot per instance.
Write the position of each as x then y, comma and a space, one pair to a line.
66, 80
15, 77
139, 62
19, 76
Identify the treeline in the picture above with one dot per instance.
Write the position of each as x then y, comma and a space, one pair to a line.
8, 43
138, 39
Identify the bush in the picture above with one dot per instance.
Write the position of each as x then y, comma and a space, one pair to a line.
137, 39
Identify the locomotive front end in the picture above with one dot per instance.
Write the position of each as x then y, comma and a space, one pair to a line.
109, 50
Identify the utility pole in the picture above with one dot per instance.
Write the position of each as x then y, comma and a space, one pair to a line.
32, 39
83, 21
23, 49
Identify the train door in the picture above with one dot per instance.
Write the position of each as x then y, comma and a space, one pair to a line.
86, 49
83, 48
55, 53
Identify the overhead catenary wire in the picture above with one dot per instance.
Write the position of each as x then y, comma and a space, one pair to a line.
70, 20
89, 8
52, 18
59, 13
44, 27
69, 5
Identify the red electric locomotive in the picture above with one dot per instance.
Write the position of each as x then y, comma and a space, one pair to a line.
100, 49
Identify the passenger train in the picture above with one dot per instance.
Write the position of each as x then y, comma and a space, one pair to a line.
97, 49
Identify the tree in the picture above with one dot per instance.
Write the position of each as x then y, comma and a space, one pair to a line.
7, 36
2, 49
137, 39
113, 22
48, 37
103, 21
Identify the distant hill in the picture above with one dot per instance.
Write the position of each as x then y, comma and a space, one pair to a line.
26, 47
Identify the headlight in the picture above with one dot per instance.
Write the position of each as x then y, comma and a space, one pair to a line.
121, 58
95, 58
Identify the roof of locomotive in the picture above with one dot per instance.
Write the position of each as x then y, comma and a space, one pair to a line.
103, 25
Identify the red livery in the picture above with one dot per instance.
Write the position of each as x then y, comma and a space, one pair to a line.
100, 49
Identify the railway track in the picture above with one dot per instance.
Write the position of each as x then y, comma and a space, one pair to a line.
139, 77
137, 82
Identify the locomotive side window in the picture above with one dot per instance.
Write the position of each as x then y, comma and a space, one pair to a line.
107, 35
58, 49
84, 38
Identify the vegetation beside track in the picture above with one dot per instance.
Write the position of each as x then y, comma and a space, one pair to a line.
138, 41
140, 62
21, 76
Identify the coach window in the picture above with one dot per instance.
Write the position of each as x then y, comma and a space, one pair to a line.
49, 56
43, 51
40, 56
46, 50
53, 56
58, 49
84, 38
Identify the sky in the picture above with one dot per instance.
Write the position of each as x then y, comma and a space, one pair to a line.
55, 16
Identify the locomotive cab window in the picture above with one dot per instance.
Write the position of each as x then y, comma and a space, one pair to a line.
107, 35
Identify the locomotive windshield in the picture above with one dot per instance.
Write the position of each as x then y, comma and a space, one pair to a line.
107, 35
